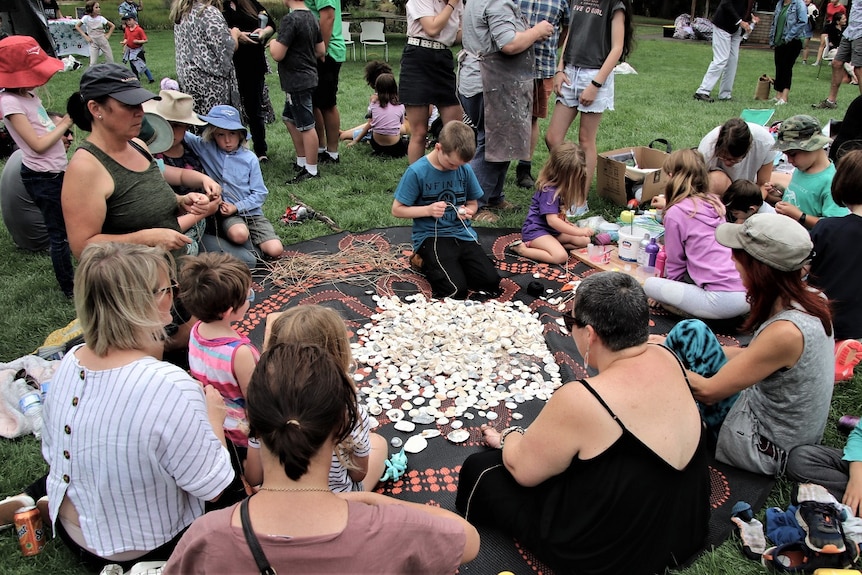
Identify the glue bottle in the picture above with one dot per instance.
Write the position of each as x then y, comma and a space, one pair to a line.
660, 260
651, 250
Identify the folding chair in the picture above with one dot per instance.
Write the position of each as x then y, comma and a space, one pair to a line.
348, 41
372, 35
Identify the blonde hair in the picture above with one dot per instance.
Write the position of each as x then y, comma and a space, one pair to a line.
323, 327
115, 295
566, 169
209, 135
182, 8
689, 178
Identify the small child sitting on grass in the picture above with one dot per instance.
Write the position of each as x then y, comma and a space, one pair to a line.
807, 197
547, 235
440, 193
223, 151
216, 289
387, 120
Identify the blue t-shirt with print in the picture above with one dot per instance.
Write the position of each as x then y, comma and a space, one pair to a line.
423, 184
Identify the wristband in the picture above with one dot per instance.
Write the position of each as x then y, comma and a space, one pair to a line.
559, 72
802, 218
450, 5
596, 84
509, 430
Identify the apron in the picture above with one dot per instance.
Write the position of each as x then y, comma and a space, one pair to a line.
508, 99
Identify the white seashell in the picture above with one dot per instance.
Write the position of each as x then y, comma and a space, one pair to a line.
516, 415
429, 433
457, 424
423, 419
491, 415
374, 409
458, 436
405, 426
395, 415
358, 377
396, 442
511, 405
415, 444
442, 421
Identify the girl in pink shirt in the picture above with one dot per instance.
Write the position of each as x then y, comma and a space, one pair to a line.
387, 116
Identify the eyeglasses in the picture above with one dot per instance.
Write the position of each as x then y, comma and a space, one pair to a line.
68, 134
571, 322
173, 289
250, 297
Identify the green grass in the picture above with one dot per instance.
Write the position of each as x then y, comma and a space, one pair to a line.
357, 194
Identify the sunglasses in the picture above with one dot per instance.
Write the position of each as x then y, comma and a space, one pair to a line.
173, 289
571, 322
68, 134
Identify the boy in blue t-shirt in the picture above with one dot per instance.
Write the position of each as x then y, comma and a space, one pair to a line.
440, 194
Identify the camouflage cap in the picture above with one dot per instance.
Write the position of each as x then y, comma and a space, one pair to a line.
801, 132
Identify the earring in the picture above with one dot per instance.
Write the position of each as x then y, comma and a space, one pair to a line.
100, 116
587, 361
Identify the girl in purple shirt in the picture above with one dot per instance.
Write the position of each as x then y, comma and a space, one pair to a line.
546, 234
702, 280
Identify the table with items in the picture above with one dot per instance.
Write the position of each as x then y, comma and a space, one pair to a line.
66, 39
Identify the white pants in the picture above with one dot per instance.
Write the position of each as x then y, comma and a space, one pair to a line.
100, 44
696, 301
725, 56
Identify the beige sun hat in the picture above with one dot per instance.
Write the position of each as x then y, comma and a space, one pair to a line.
175, 107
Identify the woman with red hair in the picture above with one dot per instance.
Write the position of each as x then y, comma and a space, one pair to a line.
763, 400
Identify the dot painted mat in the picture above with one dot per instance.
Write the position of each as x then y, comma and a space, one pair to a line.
432, 474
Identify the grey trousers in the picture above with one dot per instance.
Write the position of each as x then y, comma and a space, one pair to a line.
821, 465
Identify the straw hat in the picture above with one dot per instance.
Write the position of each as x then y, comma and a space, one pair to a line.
175, 107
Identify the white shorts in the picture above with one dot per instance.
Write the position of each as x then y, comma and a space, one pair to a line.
580, 78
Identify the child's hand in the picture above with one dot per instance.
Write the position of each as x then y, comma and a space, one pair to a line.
788, 210
586, 232
227, 209
195, 203
211, 188
437, 209
658, 202
123, 42
464, 213
774, 193
166, 239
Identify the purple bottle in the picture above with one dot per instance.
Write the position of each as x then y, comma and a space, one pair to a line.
651, 250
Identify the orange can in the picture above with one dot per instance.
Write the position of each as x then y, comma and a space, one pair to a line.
28, 526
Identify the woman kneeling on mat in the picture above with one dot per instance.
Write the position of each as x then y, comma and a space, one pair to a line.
616, 461
763, 400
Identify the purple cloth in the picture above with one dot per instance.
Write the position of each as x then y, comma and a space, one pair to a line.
536, 223
689, 239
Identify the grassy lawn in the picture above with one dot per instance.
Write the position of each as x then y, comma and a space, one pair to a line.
357, 194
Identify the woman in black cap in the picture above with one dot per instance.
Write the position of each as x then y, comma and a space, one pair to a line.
113, 189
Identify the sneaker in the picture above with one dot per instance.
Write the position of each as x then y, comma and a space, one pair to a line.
301, 177
703, 97
487, 216
263, 159
779, 102
10, 505
325, 158
816, 64
826, 104
822, 527
504, 206
297, 168
848, 354
524, 178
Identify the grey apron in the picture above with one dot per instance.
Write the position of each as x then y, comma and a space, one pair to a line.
507, 83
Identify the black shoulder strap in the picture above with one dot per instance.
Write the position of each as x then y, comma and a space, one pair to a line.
143, 152
253, 543
602, 401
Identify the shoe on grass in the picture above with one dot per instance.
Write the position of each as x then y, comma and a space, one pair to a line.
487, 216
10, 505
703, 97
302, 176
826, 104
325, 158
822, 526
523, 177
504, 206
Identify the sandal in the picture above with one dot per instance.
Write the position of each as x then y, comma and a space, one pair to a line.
487, 216
512, 248
848, 354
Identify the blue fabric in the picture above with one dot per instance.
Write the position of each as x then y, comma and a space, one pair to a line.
795, 24
853, 449
423, 184
238, 173
782, 527
700, 351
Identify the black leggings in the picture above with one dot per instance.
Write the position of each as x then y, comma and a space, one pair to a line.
785, 57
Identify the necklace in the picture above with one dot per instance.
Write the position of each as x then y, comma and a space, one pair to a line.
262, 488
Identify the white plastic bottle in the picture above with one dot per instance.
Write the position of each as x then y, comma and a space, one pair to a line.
30, 404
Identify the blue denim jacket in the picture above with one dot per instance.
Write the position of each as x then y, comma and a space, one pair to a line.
796, 25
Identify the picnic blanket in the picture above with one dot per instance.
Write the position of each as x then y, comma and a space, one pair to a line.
432, 474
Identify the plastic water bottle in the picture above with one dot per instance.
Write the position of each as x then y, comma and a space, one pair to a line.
744, 36
651, 250
642, 256
30, 404
660, 260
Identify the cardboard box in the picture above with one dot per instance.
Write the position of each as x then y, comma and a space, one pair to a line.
615, 166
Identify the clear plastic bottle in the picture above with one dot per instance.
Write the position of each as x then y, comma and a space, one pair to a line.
30, 404
642, 254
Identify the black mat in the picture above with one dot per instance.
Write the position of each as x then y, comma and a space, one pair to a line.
433, 473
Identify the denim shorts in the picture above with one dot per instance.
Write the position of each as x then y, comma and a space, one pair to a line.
298, 110
580, 78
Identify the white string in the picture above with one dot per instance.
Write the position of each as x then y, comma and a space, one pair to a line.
472, 234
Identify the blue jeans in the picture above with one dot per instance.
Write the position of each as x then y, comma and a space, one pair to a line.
491, 175
700, 351
44, 188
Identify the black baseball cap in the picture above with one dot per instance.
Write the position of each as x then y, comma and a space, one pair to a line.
115, 81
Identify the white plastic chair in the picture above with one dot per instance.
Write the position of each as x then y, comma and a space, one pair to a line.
348, 41
372, 35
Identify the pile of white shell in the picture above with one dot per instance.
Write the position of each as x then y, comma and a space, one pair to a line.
442, 361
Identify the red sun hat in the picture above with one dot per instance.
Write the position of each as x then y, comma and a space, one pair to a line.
24, 64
